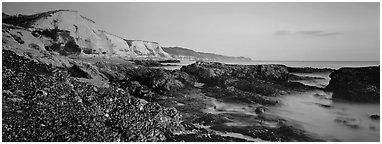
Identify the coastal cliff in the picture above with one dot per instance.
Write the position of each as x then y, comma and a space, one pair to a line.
67, 32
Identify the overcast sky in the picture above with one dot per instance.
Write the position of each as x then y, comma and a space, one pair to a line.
261, 31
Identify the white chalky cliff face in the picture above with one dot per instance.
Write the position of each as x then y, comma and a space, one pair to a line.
90, 40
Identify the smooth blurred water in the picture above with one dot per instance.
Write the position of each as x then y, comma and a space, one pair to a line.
322, 83
327, 118
305, 110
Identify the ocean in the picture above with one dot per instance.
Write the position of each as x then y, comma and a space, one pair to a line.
315, 64
330, 119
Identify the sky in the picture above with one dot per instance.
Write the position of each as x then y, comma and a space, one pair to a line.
261, 31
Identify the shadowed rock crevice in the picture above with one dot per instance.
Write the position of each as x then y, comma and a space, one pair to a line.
75, 71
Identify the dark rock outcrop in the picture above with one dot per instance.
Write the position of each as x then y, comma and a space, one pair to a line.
253, 81
216, 72
356, 84
146, 83
159, 79
243, 83
374, 117
169, 61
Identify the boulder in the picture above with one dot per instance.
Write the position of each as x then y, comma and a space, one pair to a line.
356, 84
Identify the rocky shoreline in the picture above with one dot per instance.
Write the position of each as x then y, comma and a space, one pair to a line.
64, 80
106, 101
136, 103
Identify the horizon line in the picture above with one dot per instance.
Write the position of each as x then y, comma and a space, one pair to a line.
319, 60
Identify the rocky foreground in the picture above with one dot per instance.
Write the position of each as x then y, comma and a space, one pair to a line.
91, 100
43, 103
126, 102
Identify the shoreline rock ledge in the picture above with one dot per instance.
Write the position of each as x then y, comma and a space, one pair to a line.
356, 84
214, 71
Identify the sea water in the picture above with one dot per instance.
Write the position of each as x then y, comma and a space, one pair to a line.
327, 118
320, 115
315, 64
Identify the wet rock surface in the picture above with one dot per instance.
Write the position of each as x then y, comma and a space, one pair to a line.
356, 84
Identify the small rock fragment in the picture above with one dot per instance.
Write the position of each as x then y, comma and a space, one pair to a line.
374, 117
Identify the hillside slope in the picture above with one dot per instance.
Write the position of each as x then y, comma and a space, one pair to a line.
188, 54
